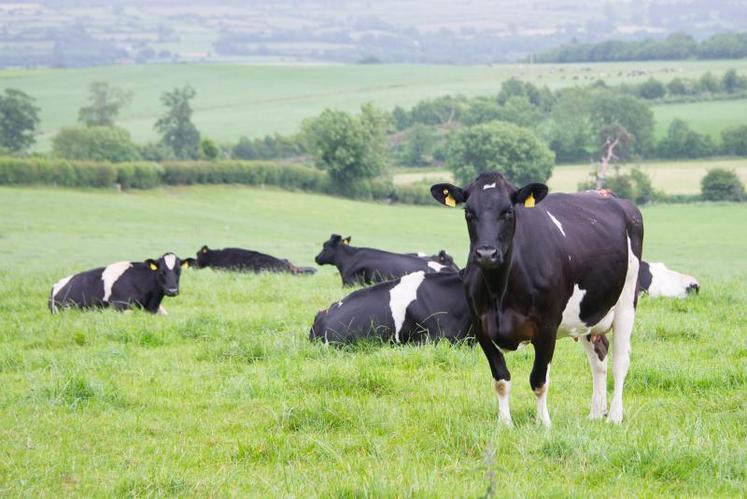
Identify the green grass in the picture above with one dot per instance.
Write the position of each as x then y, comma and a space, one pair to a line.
709, 118
226, 396
234, 100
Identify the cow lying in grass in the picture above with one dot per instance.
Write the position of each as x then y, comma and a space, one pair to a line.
368, 265
655, 279
121, 285
412, 309
243, 260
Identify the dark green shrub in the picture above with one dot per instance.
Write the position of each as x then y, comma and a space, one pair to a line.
95, 144
721, 185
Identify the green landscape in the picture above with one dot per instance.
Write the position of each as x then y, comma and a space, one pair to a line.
226, 396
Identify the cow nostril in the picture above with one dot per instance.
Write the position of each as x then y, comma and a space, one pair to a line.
487, 253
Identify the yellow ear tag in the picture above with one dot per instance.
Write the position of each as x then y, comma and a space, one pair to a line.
345, 242
449, 199
153, 266
529, 202
185, 264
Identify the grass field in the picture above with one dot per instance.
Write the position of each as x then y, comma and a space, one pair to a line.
225, 396
671, 177
704, 117
252, 100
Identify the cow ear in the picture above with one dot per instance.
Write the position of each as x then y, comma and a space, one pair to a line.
152, 264
346, 241
530, 194
204, 249
187, 263
448, 194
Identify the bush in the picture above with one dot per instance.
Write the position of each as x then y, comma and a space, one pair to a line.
514, 151
683, 143
721, 185
635, 186
95, 144
734, 140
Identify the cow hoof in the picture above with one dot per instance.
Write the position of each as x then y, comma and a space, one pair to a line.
507, 422
615, 417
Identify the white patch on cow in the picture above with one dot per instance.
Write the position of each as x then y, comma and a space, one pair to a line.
488, 186
56, 287
436, 266
162, 311
543, 415
170, 260
503, 391
421, 254
401, 295
623, 325
668, 283
571, 323
556, 222
110, 275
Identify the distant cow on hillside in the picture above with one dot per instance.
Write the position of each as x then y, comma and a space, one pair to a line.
411, 309
121, 285
368, 265
243, 260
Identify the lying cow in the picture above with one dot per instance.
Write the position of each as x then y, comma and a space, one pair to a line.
413, 308
244, 260
656, 279
442, 258
368, 265
121, 285
565, 267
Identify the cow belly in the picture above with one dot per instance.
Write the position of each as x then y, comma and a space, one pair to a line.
572, 324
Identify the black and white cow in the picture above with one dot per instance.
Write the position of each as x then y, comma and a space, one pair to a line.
121, 285
411, 309
442, 257
655, 279
244, 260
368, 265
567, 267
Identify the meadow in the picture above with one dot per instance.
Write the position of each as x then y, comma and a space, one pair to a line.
226, 396
254, 100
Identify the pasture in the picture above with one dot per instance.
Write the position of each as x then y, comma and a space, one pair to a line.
226, 396
254, 100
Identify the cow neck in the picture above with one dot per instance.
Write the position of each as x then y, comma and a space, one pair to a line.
343, 254
496, 280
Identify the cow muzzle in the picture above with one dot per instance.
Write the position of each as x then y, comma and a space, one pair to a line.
172, 291
693, 288
487, 257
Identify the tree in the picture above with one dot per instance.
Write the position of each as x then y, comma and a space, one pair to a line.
105, 102
721, 185
615, 144
683, 143
176, 127
520, 111
570, 132
652, 89
732, 83
350, 148
514, 151
708, 83
631, 113
419, 146
19, 118
95, 144
208, 149
734, 140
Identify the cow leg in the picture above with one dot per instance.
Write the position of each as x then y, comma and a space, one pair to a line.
598, 364
539, 379
501, 376
623, 326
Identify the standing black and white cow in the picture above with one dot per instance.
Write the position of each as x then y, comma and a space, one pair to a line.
244, 260
368, 265
655, 279
121, 285
411, 309
568, 267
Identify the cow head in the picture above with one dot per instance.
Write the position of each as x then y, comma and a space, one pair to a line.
446, 259
203, 257
168, 269
330, 248
489, 207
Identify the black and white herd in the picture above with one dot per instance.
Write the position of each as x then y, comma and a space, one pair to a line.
540, 267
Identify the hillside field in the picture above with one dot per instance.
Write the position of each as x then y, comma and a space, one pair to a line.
253, 100
226, 396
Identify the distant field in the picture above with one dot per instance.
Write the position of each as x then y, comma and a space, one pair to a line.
672, 177
235, 100
226, 396
705, 117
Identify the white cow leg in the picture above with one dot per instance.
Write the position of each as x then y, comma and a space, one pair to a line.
162, 311
543, 415
503, 391
598, 379
623, 325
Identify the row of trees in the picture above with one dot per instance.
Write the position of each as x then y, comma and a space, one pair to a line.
674, 47
706, 87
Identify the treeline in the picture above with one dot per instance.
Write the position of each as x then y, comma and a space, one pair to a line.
677, 46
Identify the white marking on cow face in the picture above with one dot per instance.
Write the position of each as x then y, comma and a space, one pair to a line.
668, 283
488, 186
436, 266
556, 222
110, 275
170, 260
401, 295
56, 287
